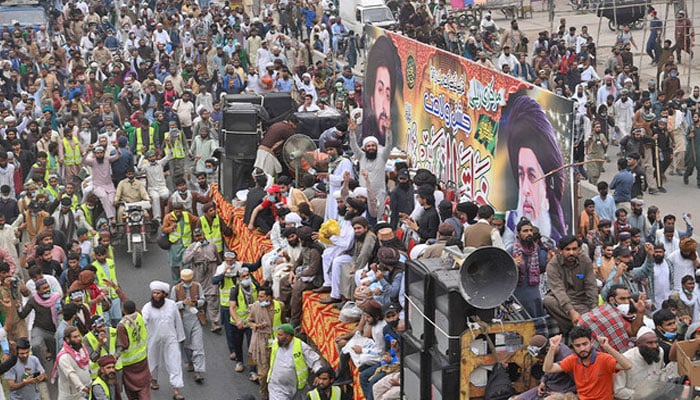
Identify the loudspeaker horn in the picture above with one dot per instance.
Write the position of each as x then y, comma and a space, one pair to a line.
488, 276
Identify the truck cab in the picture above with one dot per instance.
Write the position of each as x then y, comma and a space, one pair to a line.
29, 13
358, 13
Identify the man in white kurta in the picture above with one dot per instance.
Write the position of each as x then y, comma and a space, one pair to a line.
647, 367
165, 332
340, 243
73, 379
337, 168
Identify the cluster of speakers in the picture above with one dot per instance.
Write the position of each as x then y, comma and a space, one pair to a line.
440, 296
245, 118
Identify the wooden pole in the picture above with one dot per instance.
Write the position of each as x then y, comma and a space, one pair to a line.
576, 164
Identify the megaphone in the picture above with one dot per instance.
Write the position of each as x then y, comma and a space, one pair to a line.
488, 276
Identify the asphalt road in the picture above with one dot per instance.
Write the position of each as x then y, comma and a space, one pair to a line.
221, 381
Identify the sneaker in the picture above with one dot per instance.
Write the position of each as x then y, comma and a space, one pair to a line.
662, 189
239, 367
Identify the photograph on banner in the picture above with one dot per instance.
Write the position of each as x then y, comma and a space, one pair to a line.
498, 140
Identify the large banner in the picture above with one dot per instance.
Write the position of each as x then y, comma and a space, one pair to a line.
497, 139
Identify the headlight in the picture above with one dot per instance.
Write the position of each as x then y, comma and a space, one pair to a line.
135, 217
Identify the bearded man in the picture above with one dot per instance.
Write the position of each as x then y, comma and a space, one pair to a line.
165, 332
105, 386
72, 361
102, 178
647, 365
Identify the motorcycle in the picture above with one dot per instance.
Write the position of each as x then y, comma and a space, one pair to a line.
135, 230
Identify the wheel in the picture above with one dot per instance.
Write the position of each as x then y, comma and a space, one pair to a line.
611, 25
137, 254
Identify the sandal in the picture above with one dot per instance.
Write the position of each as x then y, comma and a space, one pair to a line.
154, 385
253, 377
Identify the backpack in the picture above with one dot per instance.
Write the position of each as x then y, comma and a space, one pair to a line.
499, 386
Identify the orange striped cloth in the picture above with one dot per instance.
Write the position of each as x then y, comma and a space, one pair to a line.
320, 322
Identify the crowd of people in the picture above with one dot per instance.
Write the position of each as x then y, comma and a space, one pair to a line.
115, 104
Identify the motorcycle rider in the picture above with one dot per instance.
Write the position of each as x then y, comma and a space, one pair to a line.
132, 192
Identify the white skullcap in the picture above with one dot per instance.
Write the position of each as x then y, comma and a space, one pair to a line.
370, 139
644, 330
230, 254
306, 75
98, 148
159, 285
293, 218
337, 195
360, 191
10, 119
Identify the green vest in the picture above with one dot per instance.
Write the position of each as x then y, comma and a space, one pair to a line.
276, 318
213, 232
241, 306
98, 381
92, 339
101, 276
299, 362
138, 343
185, 235
53, 193
88, 214
336, 393
71, 154
177, 147
225, 286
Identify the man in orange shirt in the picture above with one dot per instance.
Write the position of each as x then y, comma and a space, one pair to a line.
593, 370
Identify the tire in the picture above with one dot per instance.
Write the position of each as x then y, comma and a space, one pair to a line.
611, 25
137, 254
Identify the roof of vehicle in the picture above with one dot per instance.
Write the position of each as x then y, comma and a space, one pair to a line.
19, 3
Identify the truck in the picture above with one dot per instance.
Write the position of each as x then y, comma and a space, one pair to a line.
355, 14
29, 13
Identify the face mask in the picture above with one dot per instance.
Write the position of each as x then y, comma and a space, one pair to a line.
272, 199
687, 291
669, 335
245, 282
5, 197
182, 192
264, 303
45, 296
208, 171
624, 308
187, 285
90, 207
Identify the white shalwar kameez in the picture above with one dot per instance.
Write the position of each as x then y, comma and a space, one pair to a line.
164, 341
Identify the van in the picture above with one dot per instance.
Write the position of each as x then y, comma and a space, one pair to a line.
355, 14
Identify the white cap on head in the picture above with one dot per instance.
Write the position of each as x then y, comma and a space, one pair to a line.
293, 218
159, 285
370, 139
644, 330
360, 191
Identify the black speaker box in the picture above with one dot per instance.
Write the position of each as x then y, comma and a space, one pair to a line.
231, 99
419, 289
452, 313
279, 105
235, 175
415, 378
313, 126
240, 145
444, 377
241, 119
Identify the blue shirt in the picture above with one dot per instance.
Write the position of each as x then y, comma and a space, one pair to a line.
605, 208
284, 86
622, 184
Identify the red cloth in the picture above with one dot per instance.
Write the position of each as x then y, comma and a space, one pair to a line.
606, 320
